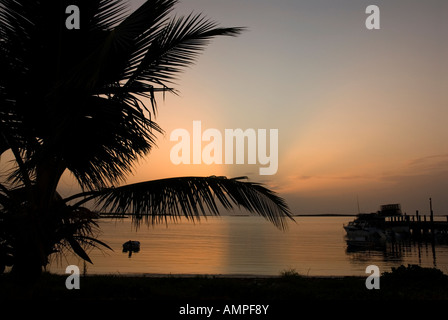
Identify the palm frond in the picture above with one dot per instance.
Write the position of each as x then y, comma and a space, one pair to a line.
116, 42
191, 197
175, 47
107, 14
105, 139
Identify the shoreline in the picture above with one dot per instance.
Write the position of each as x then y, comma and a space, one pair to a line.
207, 276
206, 289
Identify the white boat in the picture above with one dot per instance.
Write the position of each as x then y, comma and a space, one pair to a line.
372, 227
364, 230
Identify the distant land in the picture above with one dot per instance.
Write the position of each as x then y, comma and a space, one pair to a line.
128, 215
224, 214
326, 215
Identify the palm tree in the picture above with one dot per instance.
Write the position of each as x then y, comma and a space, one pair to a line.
72, 100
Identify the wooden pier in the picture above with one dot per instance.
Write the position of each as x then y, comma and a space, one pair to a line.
419, 225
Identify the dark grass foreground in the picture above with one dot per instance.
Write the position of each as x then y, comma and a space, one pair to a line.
403, 283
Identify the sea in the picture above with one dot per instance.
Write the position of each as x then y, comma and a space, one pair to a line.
246, 246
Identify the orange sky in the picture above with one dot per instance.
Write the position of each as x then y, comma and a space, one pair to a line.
360, 113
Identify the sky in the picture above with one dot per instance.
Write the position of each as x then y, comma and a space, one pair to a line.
361, 114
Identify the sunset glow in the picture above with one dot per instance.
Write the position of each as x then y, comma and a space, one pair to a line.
360, 113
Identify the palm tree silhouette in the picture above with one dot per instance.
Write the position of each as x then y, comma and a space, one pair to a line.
72, 100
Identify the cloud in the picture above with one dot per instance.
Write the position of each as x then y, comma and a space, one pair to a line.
331, 177
429, 163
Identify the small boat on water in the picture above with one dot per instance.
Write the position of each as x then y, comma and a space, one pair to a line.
131, 246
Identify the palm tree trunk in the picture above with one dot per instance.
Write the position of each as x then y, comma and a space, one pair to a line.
48, 175
32, 247
30, 255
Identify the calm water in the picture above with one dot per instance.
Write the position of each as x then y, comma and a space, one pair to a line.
242, 245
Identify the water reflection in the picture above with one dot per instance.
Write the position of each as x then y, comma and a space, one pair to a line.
313, 246
411, 251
